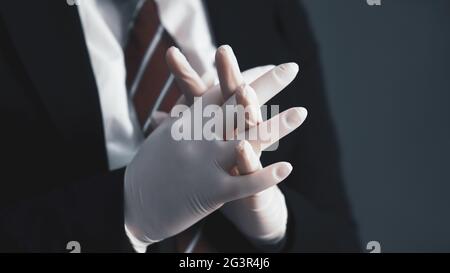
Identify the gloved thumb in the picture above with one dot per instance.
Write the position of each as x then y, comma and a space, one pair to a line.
247, 185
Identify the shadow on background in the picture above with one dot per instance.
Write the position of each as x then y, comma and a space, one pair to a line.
387, 72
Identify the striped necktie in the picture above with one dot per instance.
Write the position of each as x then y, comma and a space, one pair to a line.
150, 84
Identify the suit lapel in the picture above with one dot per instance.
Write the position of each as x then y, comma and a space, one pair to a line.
49, 41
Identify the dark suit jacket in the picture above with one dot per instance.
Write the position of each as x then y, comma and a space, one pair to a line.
55, 186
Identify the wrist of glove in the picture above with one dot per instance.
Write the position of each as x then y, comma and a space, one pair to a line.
262, 218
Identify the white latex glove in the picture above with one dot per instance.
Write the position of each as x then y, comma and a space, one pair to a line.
170, 185
263, 216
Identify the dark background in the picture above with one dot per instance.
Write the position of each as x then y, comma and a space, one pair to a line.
387, 71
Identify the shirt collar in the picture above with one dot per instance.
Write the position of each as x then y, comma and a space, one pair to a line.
186, 21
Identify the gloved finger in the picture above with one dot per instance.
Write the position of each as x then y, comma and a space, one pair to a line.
267, 133
252, 74
247, 161
230, 76
246, 97
214, 94
187, 79
271, 83
248, 185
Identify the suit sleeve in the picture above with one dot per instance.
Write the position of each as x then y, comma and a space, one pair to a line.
89, 212
53, 189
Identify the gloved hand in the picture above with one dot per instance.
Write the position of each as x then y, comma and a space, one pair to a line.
170, 185
263, 216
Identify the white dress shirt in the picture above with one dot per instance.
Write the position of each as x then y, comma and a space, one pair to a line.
106, 27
